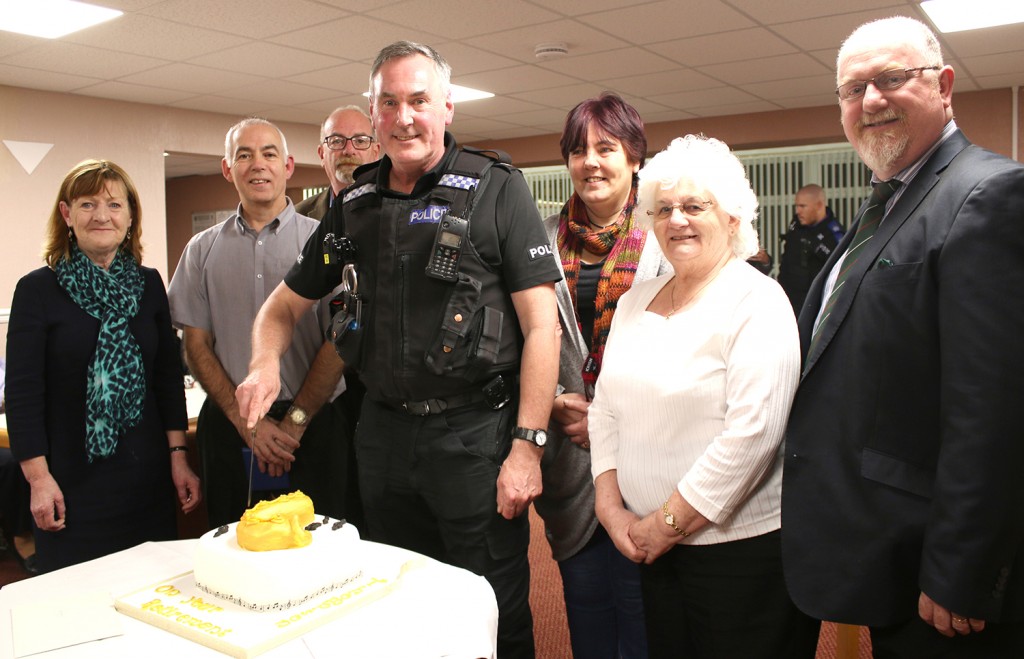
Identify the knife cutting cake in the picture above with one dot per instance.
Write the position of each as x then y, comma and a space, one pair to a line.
279, 555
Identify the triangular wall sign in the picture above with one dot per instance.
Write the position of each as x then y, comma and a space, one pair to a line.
29, 154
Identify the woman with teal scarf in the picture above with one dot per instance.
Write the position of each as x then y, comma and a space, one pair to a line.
95, 398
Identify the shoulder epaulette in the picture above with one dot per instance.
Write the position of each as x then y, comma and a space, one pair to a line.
354, 193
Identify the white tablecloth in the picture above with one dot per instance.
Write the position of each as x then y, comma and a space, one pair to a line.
435, 611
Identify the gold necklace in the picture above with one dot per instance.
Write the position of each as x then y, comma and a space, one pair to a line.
672, 298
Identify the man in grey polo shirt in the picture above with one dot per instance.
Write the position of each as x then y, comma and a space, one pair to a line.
222, 280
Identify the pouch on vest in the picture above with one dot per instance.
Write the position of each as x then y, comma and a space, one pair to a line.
468, 341
469, 337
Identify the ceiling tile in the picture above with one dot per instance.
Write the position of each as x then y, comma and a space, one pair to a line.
278, 92
134, 93
262, 18
990, 41
495, 107
354, 38
69, 58
668, 20
153, 37
991, 65
465, 59
192, 78
350, 78
780, 67
265, 59
562, 97
821, 86
706, 98
51, 81
451, 22
520, 43
675, 80
15, 43
610, 64
229, 106
830, 32
737, 108
516, 79
772, 13
732, 46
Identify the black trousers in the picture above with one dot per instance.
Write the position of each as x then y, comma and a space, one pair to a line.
324, 466
914, 639
429, 484
724, 601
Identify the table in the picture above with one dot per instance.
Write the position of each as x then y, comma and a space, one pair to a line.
436, 610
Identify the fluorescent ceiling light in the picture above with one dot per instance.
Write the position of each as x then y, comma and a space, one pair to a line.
957, 15
51, 19
460, 94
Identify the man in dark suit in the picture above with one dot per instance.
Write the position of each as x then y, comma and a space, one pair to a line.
903, 493
346, 142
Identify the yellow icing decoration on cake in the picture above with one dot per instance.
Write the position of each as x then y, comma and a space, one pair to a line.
277, 524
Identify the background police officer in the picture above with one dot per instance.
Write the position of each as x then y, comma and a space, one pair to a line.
813, 233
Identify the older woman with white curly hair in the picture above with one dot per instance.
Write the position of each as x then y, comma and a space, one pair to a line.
687, 421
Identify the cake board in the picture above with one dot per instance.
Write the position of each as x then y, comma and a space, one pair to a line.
178, 606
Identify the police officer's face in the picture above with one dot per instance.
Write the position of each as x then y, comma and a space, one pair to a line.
809, 209
410, 111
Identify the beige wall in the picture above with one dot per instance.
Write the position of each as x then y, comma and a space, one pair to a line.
984, 116
136, 135
79, 127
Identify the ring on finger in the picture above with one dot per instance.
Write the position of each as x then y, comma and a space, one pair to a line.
959, 620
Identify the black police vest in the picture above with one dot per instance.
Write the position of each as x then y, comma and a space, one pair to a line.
424, 337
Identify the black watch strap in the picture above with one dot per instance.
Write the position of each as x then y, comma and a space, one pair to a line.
537, 436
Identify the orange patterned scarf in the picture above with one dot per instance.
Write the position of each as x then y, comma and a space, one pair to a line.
620, 243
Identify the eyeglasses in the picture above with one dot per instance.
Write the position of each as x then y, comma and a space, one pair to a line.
692, 208
883, 82
337, 142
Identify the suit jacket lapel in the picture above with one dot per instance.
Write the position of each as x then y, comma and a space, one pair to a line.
898, 215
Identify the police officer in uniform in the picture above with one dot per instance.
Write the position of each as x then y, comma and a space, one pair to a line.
459, 357
813, 234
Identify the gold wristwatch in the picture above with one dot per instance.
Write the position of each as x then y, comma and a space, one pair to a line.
670, 519
297, 415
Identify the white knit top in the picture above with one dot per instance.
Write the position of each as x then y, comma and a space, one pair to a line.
699, 401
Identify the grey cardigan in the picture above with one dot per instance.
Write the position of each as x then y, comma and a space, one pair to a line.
566, 503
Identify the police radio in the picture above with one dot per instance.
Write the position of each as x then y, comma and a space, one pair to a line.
452, 234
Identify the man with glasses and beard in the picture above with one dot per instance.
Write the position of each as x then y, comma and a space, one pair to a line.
346, 142
902, 489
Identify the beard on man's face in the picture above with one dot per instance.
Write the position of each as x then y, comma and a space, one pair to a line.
880, 151
344, 168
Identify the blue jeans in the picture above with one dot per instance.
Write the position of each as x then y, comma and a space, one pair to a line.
603, 602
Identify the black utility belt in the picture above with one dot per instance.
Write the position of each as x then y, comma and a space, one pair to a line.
496, 393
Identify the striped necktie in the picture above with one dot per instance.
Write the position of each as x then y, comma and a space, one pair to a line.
866, 227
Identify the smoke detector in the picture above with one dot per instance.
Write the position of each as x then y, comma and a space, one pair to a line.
546, 51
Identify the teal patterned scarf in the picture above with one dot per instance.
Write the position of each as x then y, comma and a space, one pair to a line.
116, 384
